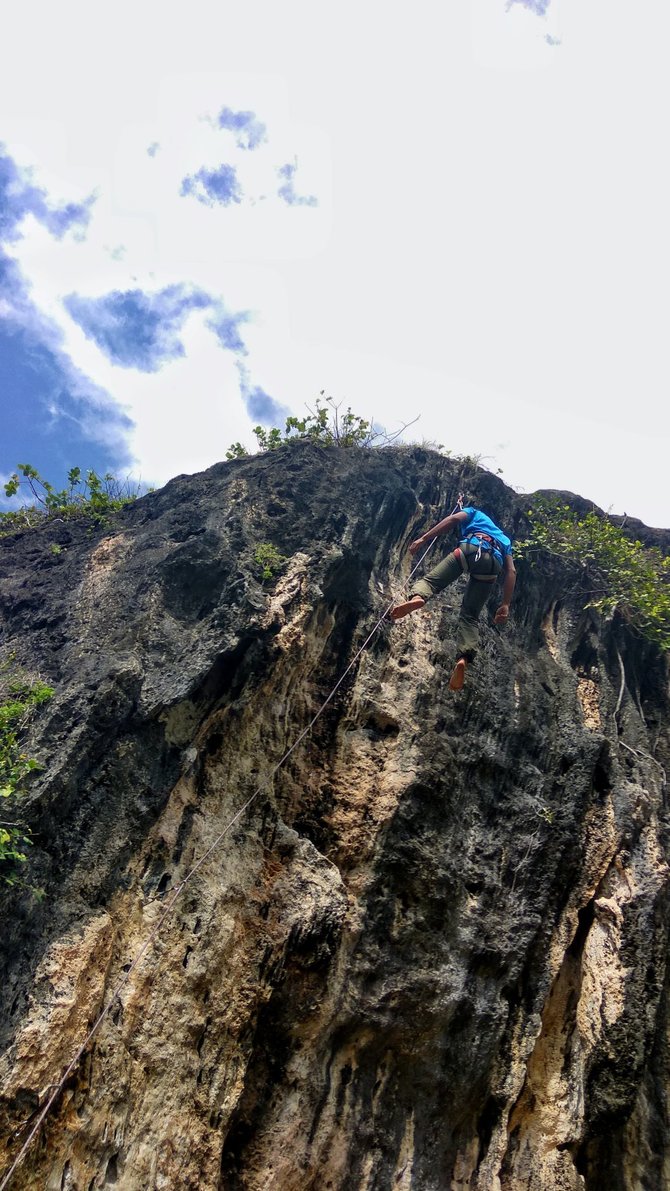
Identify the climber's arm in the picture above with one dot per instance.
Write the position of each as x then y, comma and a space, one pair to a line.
509, 580
437, 530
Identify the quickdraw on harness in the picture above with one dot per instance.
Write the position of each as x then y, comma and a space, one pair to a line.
483, 541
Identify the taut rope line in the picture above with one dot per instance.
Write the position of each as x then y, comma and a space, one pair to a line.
57, 1088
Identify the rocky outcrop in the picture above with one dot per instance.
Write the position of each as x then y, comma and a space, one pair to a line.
430, 954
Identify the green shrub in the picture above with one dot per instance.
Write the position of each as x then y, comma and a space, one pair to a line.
90, 495
327, 427
269, 561
18, 699
614, 574
324, 425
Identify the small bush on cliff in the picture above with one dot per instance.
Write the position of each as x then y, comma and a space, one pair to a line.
324, 425
616, 575
18, 700
88, 495
268, 560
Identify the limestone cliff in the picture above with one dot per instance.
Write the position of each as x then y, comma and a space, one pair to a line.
431, 955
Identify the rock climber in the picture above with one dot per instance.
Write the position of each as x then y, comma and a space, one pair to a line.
483, 553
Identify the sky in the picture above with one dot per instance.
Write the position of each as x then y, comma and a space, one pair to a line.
456, 212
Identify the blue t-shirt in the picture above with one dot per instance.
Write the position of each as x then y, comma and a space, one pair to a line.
478, 522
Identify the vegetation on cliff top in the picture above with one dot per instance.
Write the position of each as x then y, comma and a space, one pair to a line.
324, 425
612, 573
88, 495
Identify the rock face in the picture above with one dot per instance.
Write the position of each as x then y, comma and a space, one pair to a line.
430, 954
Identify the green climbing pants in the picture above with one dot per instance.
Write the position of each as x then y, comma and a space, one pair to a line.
482, 574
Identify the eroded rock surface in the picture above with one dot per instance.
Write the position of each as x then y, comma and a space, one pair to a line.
432, 952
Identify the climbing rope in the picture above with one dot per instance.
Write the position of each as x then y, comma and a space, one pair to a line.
176, 892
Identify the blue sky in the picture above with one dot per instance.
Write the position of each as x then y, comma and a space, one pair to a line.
49, 407
458, 213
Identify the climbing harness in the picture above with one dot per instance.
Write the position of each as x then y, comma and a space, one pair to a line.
484, 541
464, 560
153, 934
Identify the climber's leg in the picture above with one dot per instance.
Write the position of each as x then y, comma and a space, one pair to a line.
477, 593
423, 589
467, 632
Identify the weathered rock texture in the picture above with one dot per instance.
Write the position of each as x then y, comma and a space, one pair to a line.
431, 955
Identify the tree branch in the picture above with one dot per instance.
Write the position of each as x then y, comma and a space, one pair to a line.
623, 683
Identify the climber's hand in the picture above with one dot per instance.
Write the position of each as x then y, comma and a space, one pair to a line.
502, 614
416, 545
